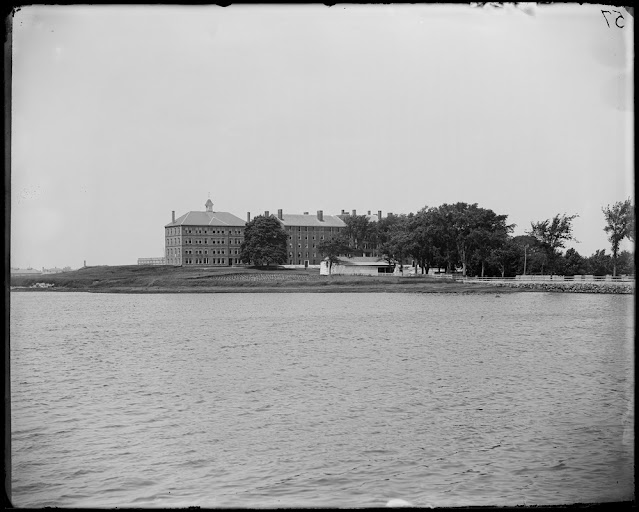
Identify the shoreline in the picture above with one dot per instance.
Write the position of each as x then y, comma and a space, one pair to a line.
170, 279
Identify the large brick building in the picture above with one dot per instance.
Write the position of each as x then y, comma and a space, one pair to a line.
204, 238
305, 232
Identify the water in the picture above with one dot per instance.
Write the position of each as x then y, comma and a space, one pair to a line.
338, 400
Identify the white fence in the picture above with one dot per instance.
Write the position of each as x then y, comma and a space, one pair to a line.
535, 278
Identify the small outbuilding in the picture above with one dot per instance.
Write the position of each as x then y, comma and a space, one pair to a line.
357, 266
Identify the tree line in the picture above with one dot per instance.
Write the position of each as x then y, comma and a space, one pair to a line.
463, 236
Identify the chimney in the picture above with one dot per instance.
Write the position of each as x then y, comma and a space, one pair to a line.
248, 216
379, 214
305, 213
369, 212
320, 215
266, 213
173, 216
343, 212
280, 215
390, 214
354, 213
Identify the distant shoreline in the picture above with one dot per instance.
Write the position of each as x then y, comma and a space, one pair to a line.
169, 279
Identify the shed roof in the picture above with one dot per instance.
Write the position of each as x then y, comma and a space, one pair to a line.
207, 219
371, 261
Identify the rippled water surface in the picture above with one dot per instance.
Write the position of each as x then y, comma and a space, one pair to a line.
342, 400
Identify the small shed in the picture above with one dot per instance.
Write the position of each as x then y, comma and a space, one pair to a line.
357, 266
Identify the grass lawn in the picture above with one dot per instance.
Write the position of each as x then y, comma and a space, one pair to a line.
170, 279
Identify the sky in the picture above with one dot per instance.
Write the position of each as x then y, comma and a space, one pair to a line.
122, 114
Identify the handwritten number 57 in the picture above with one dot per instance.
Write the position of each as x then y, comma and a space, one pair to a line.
616, 19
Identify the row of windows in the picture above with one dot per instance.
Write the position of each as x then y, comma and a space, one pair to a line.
205, 251
203, 231
313, 228
299, 255
211, 231
306, 237
205, 241
210, 261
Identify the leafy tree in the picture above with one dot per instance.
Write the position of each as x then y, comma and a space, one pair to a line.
333, 248
530, 255
489, 234
626, 263
394, 240
472, 230
444, 244
619, 225
599, 264
359, 230
552, 235
574, 263
422, 229
264, 242
506, 257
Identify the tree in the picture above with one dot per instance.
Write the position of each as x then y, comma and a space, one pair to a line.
574, 263
422, 231
619, 225
626, 263
333, 248
489, 234
505, 257
471, 230
264, 242
530, 255
599, 264
552, 235
359, 230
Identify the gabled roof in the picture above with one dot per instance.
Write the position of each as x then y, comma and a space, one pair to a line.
330, 221
207, 219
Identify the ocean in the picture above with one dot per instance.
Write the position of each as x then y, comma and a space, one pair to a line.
334, 400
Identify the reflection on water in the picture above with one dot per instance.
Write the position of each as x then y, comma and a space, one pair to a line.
340, 400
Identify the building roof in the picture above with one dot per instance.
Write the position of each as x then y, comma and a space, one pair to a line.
25, 271
371, 261
371, 217
330, 221
207, 219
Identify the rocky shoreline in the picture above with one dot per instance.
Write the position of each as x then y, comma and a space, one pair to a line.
591, 287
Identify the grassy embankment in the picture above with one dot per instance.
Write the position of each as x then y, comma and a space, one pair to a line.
168, 279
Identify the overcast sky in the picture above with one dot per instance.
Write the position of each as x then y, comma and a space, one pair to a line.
123, 114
